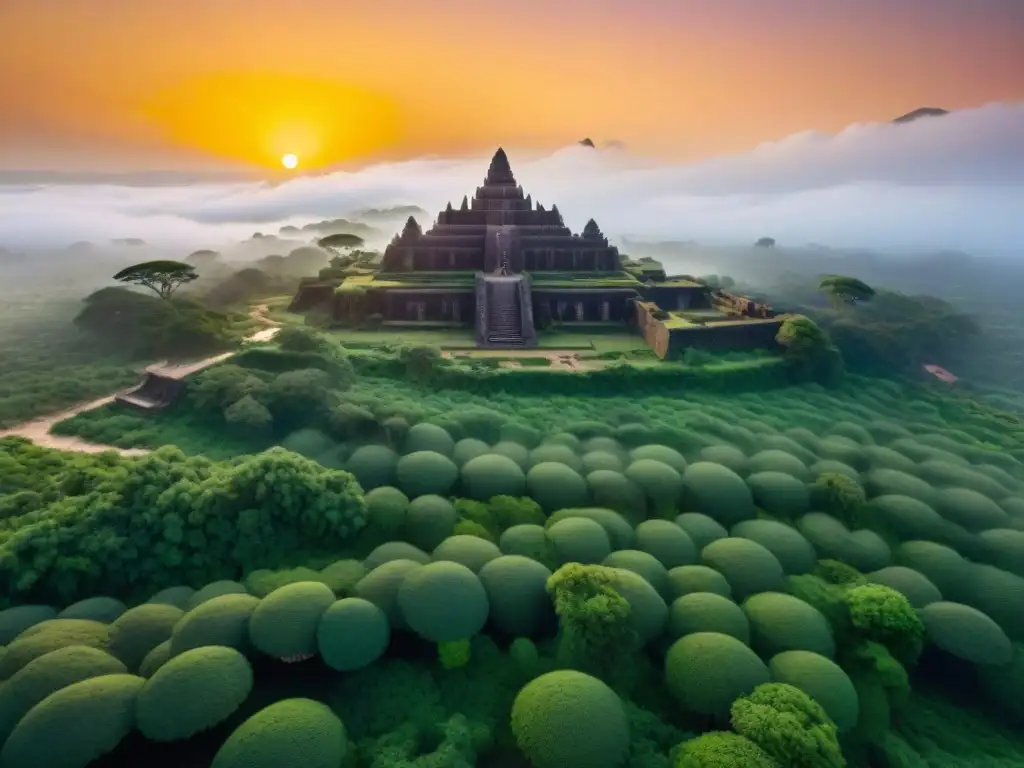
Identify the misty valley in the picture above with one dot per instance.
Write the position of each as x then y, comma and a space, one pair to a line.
588, 465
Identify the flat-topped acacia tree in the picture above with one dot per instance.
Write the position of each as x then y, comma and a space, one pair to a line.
161, 277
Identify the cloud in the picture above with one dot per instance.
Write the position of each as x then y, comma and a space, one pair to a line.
955, 182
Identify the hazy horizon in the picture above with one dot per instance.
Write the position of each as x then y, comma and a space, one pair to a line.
948, 183
190, 85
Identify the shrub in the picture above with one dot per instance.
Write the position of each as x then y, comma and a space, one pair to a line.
661, 453
380, 587
14, 621
613, 490
262, 582
906, 517
556, 486
620, 533
526, 540
520, 454
492, 475
343, 575
394, 550
707, 671
596, 460
101, 609
47, 636
470, 551
779, 493
386, 508
48, 674
774, 460
687, 579
885, 616
176, 596
722, 749
781, 622
702, 529
373, 466
839, 496
223, 621
510, 510
443, 602
155, 659
468, 448
794, 553
139, 630
517, 593
352, 634
644, 565
212, 590
426, 472
747, 566
556, 453
943, 566
594, 619
970, 509
1004, 548
429, 520
293, 733
428, 437
579, 540
998, 594
726, 455
667, 542
647, 610
567, 719
886, 482
193, 692
789, 725
821, 679
912, 585
830, 466
966, 633
284, 624
717, 492
707, 612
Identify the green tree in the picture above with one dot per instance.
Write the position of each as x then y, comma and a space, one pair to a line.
845, 290
341, 240
809, 350
294, 339
161, 277
248, 415
595, 633
789, 725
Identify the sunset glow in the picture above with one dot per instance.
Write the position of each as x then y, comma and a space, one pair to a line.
290, 161
222, 83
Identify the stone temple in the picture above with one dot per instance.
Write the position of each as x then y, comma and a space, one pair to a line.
508, 267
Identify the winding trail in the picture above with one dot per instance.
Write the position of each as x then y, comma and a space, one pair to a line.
38, 429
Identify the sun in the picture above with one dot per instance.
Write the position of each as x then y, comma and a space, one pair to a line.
290, 161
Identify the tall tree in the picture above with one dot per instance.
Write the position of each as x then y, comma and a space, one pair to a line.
161, 277
845, 290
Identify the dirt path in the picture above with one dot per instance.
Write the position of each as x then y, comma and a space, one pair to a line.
558, 360
38, 430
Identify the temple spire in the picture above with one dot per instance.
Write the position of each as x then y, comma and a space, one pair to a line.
465, 203
500, 172
412, 229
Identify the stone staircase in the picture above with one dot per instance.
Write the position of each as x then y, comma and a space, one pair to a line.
504, 320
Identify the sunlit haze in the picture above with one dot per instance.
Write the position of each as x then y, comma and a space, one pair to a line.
116, 85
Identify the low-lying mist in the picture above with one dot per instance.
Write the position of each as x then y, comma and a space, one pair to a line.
948, 183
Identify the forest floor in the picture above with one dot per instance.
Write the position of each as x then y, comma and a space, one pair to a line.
38, 429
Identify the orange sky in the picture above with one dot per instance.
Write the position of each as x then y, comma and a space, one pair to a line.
166, 84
